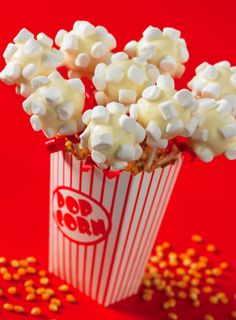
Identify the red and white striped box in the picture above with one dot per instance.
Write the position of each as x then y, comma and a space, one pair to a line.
102, 230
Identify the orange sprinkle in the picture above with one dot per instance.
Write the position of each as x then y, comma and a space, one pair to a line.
3, 260
8, 307
53, 307
16, 276
211, 248
55, 301
191, 252
196, 238
14, 263
31, 297
71, 298
44, 281
12, 290
208, 317
36, 311
172, 316
233, 314
64, 288
19, 309
31, 259
21, 271
7, 276
224, 265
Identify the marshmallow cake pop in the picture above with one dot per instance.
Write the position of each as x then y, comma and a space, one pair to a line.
165, 49
165, 112
216, 132
215, 81
27, 58
84, 47
123, 80
56, 105
112, 137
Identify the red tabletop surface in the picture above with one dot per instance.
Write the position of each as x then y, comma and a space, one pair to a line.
203, 200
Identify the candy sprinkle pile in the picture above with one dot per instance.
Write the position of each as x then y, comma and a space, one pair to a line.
27, 289
194, 275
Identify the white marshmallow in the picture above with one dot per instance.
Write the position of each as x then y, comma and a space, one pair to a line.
23, 36
82, 60
65, 111
175, 126
101, 141
38, 107
153, 130
127, 124
98, 157
151, 93
126, 152
114, 74
127, 96
136, 75
152, 33
100, 114
185, 98
172, 33
168, 110
43, 38
228, 130
131, 48
165, 81
53, 95
99, 49
77, 84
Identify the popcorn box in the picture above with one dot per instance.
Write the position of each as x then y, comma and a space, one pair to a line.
102, 230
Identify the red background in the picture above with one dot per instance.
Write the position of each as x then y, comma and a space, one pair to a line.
204, 198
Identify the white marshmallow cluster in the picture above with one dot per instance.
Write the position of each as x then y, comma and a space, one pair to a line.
28, 57
165, 112
56, 105
216, 131
215, 81
165, 49
112, 136
84, 47
123, 80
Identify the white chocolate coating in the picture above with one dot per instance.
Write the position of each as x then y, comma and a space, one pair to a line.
165, 49
27, 58
56, 105
216, 132
84, 47
165, 112
215, 81
123, 80
112, 137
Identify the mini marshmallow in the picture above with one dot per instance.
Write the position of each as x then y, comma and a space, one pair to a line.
84, 47
123, 80
114, 142
215, 135
215, 81
56, 105
164, 49
27, 58
165, 112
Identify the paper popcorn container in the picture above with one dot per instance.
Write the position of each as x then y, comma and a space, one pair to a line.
102, 230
